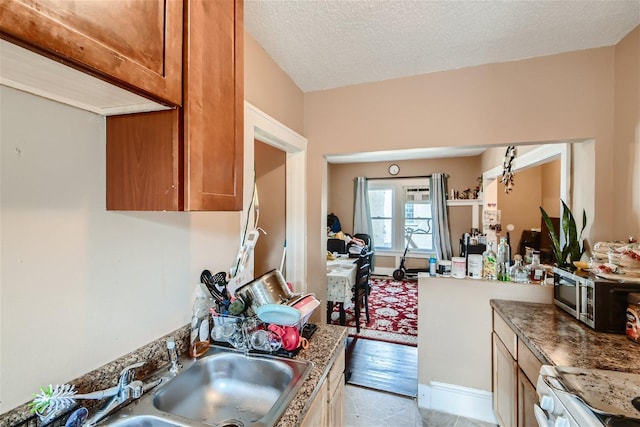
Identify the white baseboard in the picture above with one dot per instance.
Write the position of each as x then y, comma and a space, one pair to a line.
457, 400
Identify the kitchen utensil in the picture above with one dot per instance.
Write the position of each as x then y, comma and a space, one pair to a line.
265, 340
290, 336
306, 306
279, 314
270, 288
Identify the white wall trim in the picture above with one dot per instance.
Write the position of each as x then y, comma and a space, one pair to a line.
457, 400
260, 126
540, 155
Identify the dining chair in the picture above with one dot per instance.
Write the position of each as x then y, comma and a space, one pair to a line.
361, 288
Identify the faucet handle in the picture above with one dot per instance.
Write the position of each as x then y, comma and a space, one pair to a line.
128, 374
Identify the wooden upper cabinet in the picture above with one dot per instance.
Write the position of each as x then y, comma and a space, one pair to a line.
213, 104
135, 44
190, 158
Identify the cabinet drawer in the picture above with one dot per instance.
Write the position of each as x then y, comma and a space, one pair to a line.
506, 334
336, 375
528, 362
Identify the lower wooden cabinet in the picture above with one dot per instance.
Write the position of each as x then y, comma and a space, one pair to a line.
515, 370
505, 374
527, 397
317, 414
327, 408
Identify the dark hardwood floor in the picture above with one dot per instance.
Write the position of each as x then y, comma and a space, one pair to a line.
382, 366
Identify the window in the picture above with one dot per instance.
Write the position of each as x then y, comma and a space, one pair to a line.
401, 213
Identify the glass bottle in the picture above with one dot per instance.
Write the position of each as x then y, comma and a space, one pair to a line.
537, 273
489, 263
503, 260
519, 273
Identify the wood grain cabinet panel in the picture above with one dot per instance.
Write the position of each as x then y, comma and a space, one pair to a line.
132, 43
198, 147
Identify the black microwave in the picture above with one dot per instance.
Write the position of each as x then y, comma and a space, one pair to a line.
598, 303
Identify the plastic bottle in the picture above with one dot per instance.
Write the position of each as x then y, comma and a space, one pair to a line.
489, 263
432, 265
199, 339
503, 260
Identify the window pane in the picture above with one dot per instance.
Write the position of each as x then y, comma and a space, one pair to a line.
418, 217
382, 233
381, 203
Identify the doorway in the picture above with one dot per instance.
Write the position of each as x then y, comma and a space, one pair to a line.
270, 169
261, 127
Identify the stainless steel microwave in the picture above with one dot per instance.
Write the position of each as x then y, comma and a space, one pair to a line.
598, 303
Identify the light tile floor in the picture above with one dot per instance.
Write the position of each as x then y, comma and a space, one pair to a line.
370, 408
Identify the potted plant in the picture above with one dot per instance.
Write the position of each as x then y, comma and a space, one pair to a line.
573, 245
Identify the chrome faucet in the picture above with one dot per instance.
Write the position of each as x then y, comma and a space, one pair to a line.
128, 388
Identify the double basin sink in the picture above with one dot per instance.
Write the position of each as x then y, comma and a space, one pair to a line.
224, 388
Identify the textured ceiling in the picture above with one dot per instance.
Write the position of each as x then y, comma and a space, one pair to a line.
323, 44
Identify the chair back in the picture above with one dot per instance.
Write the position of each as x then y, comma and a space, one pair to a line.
366, 238
363, 272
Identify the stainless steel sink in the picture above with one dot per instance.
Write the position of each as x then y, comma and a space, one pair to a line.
223, 388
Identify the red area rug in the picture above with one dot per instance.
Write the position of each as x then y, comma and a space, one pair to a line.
393, 312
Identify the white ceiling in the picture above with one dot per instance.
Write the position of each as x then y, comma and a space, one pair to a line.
323, 44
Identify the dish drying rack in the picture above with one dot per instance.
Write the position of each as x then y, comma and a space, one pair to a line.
240, 341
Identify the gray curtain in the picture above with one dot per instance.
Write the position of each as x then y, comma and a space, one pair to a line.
362, 211
440, 218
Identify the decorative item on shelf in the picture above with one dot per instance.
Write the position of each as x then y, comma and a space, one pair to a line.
507, 173
573, 247
466, 194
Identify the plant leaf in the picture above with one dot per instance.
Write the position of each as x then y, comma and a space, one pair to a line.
557, 251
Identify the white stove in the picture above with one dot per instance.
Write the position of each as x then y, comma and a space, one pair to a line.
558, 407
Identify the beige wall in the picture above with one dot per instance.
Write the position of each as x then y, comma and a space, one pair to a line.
550, 175
626, 161
81, 286
550, 98
269, 88
454, 332
270, 166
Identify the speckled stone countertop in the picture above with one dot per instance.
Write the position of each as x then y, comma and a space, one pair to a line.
322, 351
558, 339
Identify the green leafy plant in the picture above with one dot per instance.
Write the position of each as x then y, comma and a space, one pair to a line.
573, 246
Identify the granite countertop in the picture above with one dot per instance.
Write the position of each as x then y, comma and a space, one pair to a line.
322, 351
558, 339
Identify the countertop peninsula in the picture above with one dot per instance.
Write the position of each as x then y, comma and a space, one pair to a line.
558, 339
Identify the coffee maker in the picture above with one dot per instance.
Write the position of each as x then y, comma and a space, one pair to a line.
472, 244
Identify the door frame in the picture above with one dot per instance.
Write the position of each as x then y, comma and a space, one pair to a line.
260, 126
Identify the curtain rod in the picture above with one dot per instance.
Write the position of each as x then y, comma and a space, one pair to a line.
406, 177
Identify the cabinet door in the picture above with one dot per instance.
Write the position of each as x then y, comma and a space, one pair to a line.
144, 162
505, 371
133, 44
527, 397
190, 158
316, 416
336, 405
213, 105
